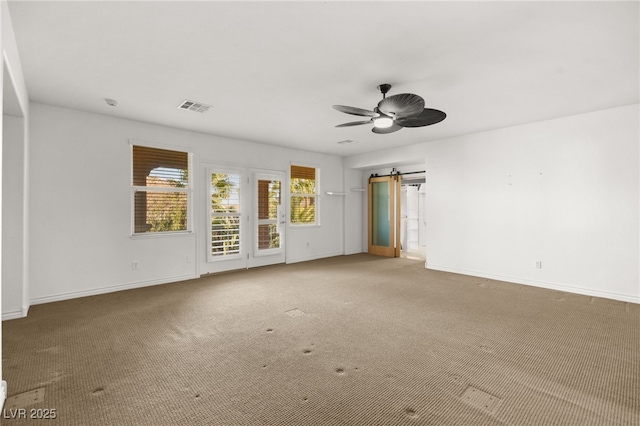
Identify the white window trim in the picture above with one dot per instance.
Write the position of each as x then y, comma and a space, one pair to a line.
134, 189
316, 195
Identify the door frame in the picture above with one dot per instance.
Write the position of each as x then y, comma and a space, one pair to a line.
255, 257
249, 216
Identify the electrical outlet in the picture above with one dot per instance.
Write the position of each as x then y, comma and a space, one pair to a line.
538, 264
135, 265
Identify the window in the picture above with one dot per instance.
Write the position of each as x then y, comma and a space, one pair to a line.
304, 195
224, 189
161, 190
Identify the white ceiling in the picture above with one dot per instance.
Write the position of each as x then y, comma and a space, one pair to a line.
272, 70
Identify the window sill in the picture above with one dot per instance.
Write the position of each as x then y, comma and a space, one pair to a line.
152, 235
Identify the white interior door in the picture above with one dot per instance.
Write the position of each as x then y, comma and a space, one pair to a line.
269, 219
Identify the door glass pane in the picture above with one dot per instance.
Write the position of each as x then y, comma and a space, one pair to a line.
268, 236
225, 214
225, 235
269, 198
380, 214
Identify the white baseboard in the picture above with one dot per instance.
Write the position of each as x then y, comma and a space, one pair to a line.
3, 393
551, 286
350, 252
308, 258
12, 315
15, 314
109, 289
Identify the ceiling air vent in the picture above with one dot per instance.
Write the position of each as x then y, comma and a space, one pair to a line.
194, 106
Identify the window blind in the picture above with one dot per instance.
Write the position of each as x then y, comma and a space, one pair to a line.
300, 172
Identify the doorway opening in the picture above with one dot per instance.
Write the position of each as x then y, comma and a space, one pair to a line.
412, 217
245, 218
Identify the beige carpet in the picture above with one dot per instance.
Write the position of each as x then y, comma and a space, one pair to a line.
353, 340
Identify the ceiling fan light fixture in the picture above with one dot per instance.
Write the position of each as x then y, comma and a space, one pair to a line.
383, 122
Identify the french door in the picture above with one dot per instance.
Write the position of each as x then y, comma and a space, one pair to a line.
245, 218
269, 224
384, 215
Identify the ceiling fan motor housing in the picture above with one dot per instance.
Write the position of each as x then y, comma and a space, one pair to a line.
384, 88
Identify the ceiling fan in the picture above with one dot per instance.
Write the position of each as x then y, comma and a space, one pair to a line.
394, 113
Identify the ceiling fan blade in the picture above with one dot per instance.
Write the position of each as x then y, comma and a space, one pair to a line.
355, 111
383, 131
427, 117
402, 105
354, 123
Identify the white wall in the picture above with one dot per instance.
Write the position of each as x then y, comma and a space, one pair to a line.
12, 216
17, 99
355, 198
564, 192
4, 16
80, 211
307, 243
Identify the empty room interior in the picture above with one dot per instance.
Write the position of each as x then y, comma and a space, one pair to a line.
320, 213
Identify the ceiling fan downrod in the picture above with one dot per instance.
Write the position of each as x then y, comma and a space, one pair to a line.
384, 88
